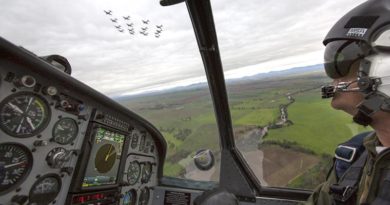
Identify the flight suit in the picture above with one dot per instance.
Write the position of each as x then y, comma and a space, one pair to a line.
374, 185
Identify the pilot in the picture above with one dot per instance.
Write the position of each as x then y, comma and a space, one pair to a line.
357, 58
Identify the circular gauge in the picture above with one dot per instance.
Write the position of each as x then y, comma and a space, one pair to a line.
146, 172
133, 172
65, 131
105, 158
24, 114
130, 197
144, 196
15, 164
45, 189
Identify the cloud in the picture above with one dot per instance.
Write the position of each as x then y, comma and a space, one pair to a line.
254, 36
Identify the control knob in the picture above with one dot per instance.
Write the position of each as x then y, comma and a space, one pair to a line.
25, 81
57, 157
50, 90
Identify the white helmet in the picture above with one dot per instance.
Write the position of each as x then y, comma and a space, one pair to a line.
362, 37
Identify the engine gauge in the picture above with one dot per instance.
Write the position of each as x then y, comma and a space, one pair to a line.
24, 114
133, 172
144, 196
45, 189
15, 164
134, 139
130, 197
146, 172
142, 142
65, 131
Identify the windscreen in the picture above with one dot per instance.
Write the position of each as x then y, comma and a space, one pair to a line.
140, 54
273, 60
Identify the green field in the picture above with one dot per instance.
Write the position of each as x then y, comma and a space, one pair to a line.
186, 118
316, 125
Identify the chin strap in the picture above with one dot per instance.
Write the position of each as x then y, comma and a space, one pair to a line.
370, 105
362, 119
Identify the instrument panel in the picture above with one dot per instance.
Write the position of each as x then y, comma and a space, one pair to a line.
140, 172
62, 142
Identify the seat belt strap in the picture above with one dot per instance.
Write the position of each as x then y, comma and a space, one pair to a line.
344, 192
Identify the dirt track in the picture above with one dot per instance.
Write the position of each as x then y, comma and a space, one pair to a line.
273, 165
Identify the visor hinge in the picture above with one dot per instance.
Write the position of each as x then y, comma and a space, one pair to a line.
368, 85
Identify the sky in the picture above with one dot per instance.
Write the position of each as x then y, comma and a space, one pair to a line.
255, 36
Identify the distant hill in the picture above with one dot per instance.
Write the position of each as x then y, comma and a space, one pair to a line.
281, 73
271, 74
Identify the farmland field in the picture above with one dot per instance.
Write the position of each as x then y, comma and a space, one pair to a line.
281, 154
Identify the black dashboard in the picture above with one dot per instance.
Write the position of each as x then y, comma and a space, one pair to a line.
61, 142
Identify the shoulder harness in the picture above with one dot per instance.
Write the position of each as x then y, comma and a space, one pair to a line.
349, 161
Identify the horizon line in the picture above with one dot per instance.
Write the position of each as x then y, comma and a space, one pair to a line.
151, 91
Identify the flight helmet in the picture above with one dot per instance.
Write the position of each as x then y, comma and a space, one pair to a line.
361, 38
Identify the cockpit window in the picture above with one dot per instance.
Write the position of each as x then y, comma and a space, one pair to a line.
140, 54
272, 55
145, 57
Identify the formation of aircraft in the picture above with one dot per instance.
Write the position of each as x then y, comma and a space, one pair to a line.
130, 25
158, 31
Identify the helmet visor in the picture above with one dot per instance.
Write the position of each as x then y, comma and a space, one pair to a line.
340, 56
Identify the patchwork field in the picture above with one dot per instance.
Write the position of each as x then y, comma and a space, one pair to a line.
291, 154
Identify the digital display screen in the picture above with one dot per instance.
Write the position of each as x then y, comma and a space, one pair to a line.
105, 158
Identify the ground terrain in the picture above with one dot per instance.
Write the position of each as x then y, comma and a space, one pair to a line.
286, 155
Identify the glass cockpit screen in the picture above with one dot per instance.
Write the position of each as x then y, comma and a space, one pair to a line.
105, 158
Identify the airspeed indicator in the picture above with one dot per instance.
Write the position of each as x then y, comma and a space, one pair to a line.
24, 114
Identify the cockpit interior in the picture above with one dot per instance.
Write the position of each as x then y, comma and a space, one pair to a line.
63, 142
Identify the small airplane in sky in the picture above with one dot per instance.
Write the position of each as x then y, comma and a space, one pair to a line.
114, 20
158, 31
130, 29
143, 33
118, 27
130, 24
157, 36
126, 17
145, 22
131, 32
144, 28
159, 26
120, 30
108, 12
